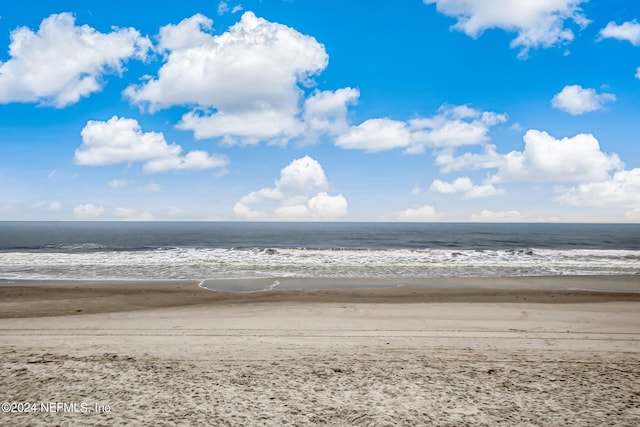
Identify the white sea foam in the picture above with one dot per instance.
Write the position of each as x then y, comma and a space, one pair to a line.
274, 285
212, 263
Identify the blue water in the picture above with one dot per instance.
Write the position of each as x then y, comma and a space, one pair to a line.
210, 250
119, 236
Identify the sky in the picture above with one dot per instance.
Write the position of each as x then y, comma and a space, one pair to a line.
293, 110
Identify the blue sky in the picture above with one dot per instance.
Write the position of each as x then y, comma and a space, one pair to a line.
434, 110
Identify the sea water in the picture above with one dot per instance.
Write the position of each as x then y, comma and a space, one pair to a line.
227, 250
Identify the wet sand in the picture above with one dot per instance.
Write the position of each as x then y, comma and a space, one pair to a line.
167, 353
38, 299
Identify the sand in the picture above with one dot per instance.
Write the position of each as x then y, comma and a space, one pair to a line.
171, 353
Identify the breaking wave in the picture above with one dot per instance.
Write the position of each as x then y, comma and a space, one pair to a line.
94, 263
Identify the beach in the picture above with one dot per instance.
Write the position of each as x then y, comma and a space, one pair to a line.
449, 352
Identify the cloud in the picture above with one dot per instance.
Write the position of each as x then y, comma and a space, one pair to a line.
544, 159
547, 159
223, 8
88, 211
376, 135
422, 214
490, 159
500, 216
244, 127
193, 160
62, 62
299, 194
620, 190
190, 32
215, 76
301, 176
325, 112
576, 100
130, 214
453, 126
322, 206
466, 187
538, 23
121, 140
245, 83
629, 31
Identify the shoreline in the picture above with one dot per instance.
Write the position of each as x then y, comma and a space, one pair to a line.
41, 299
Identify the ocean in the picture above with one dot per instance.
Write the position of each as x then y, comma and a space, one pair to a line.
205, 251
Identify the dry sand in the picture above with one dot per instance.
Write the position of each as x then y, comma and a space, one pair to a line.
171, 353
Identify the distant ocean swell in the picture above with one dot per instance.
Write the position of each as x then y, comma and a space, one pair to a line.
93, 262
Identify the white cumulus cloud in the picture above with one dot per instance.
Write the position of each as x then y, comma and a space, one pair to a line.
490, 159
544, 159
193, 160
629, 31
121, 140
453, 126
547, 159
324, 206
576, 100
88, 211
422, 214
299, 194
301, 176
538, 23
376, 135
245, 83
62, 62
620, 190
466, 188
325, 112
